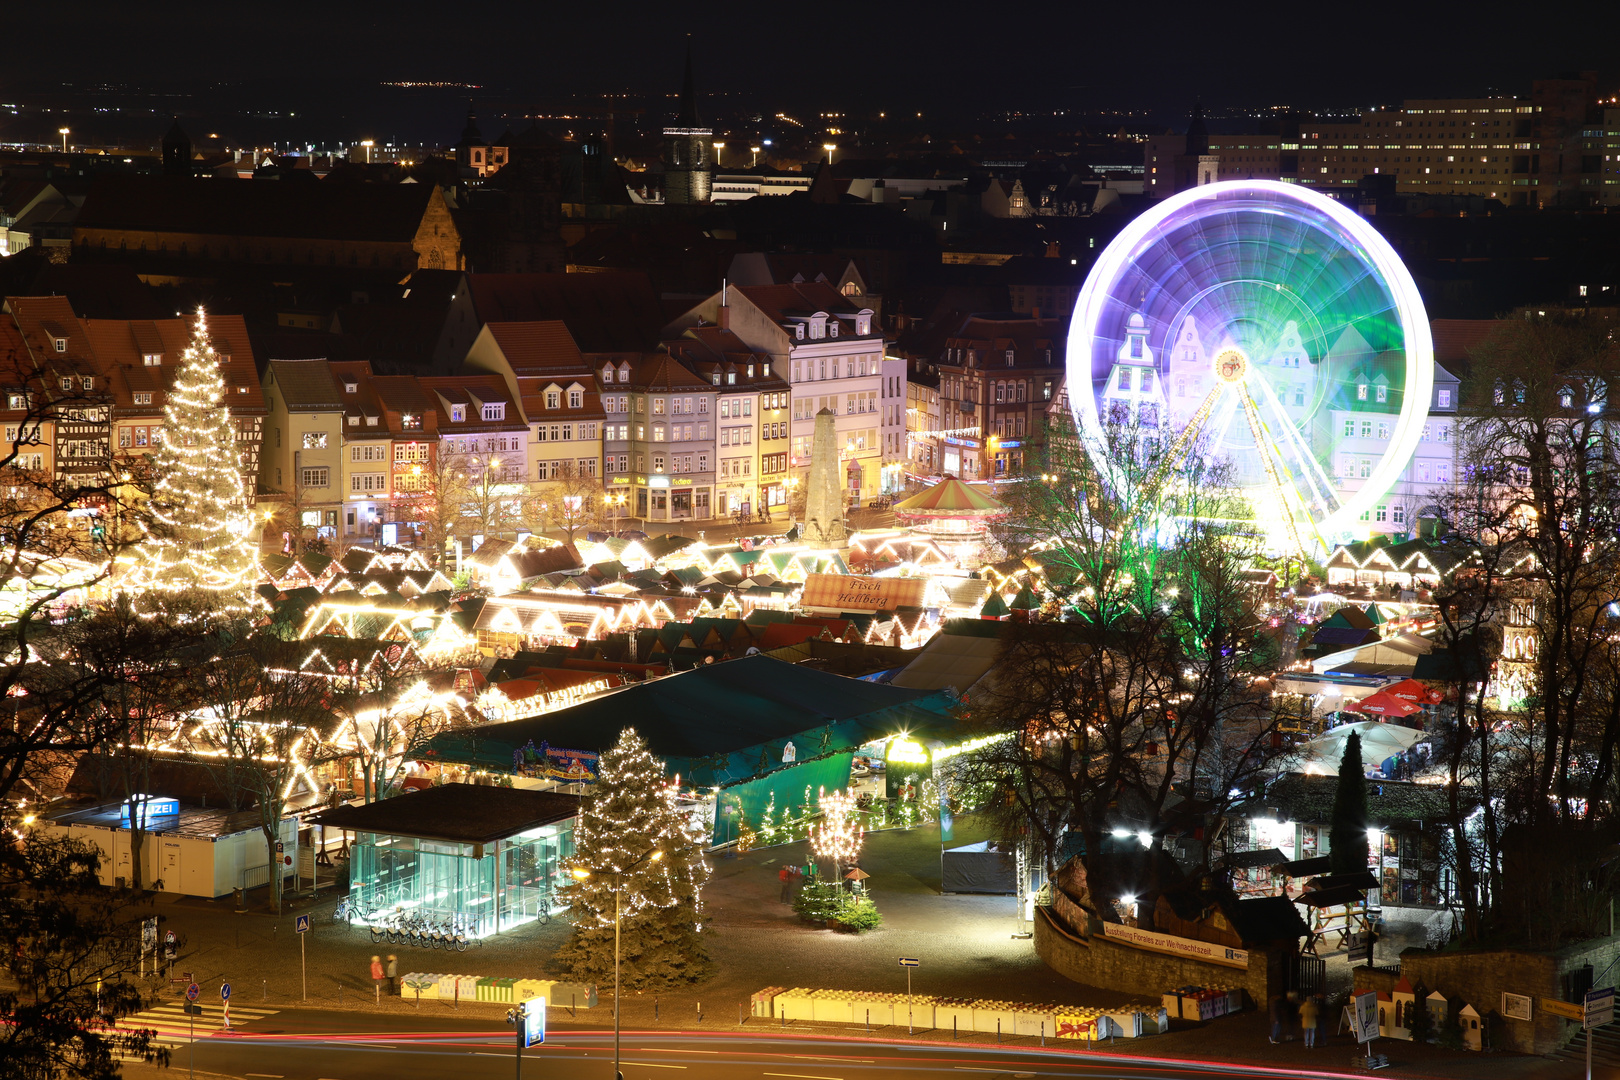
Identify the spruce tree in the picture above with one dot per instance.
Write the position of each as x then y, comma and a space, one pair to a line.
200, 535
632, 813
1347, 832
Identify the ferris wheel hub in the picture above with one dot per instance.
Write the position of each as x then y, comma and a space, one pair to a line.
1231, 365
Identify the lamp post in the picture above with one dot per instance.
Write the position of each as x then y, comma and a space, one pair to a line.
991, 445
64, 133
829, 147
718, 146
754, 150
368, 143
581, 874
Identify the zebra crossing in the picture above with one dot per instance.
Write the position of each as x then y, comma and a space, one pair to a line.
172, 1027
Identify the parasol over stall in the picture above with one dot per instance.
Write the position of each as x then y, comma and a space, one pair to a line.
1385, 704
1413, 691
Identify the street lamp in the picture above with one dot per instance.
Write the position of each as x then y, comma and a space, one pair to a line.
829, 147
580, 874
718, 146
64, 133
755, 160
991, 445
367, 143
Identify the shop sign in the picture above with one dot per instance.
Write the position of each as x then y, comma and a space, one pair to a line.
553, 762
1152, 941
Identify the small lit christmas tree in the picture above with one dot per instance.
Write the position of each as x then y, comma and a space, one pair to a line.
631, 814
200, 535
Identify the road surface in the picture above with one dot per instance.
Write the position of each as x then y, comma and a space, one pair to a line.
300, 1044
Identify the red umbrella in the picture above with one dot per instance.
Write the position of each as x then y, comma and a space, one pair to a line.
1412, 690
1385, 704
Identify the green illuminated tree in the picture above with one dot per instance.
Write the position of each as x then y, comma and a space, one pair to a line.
637, 852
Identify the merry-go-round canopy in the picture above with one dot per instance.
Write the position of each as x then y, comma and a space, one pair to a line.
950, 498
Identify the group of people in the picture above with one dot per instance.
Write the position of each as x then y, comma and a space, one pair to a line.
389, 974
1284, 1013
791, 878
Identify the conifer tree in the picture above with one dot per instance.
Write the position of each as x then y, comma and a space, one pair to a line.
1347, 831
200, 537
632, 813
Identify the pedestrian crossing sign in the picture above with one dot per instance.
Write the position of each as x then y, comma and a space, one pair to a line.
303, 924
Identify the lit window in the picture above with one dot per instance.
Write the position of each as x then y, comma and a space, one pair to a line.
314, 440
1361, 392
458, 413
495, 410
1383, 393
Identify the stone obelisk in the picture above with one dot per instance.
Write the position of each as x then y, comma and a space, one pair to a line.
824, 501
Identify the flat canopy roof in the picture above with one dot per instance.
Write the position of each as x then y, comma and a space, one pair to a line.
456, 813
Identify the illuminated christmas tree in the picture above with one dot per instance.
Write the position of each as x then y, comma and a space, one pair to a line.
200, 537
635, 847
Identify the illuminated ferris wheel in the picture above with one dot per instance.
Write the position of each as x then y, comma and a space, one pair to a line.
1266, 326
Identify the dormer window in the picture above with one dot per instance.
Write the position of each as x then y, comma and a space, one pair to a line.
371, 421
731, 378
750, 371
1383, 393
458, 414
89, 382
576, 399
607, 374
152, 359
67, 383
354, 421
351, 388
496, 410
766, 367
553, 401
1361, 392
143, 397
60, 343
410, 422
798, 331
832, 327
863, 324
714, 377
624, 373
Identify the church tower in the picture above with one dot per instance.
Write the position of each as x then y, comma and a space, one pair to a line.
688, 158
177, 152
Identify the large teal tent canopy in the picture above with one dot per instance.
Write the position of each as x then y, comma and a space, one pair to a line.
719, 723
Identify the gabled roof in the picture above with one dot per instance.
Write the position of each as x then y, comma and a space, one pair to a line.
307, 385
608, 312
214, 207
537, 346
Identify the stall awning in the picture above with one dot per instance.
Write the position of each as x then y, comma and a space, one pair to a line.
456, 813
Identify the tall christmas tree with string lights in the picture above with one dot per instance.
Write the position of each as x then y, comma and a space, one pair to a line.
200, 538
635, 847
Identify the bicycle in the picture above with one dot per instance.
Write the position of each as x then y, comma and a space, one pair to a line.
343, 910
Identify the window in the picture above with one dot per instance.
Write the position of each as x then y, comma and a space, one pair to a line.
1383, 393
576, 399
67, 382
658, 433
1364, 468
351, 388
314, 440
143, 397
1383, 431
1361, 392
1442, 473
607, 374
1423, 472
458, 414
658, 463
494, 410
367, 483
1445, 399
658, 406
410, 422
414, 451
315, 477
1381, 514
1366, 429
1398, 515
61, 344
703, 405
1349, 428
1445, 433
411, 481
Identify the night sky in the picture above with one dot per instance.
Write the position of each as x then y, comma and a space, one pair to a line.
944, 55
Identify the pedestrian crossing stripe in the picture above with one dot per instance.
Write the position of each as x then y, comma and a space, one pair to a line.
172, 1027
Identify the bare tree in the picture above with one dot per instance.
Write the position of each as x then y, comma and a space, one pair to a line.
568, 501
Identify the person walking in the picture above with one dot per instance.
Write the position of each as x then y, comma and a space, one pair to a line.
392, 971
1309, 1013
377, 976
785, 875
1276, 1018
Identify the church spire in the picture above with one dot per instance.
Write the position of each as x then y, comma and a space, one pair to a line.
688, 117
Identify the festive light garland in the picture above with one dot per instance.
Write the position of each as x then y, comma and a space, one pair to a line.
199, 530
838, 834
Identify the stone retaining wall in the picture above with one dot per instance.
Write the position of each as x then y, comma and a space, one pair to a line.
1480, 977
1097, 961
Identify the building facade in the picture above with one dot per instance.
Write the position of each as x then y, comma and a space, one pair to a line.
996, 376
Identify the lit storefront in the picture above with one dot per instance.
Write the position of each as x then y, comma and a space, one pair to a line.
480, 859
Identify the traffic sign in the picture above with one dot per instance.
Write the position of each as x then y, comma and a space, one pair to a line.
907, 961
1366, 1016
225, 991
303, 924
192, 991
533, 1014
1599, 1008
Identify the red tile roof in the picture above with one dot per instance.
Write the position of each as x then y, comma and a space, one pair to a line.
1455, 339
540, 344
